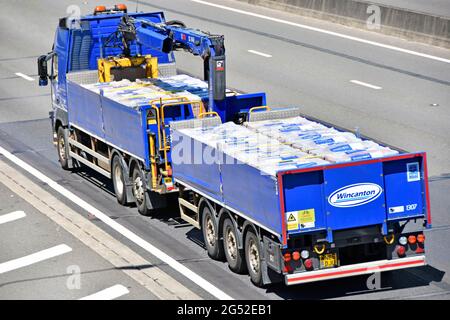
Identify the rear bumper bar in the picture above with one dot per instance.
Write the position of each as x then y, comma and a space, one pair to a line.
355, 269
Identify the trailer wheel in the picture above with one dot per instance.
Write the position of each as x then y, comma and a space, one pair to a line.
253, 258
147, 201
119, 180
63, 147
235, 256
213, 245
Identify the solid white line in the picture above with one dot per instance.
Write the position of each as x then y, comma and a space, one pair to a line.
12, 216
34, 258
336, 34
206, 285
260, 53
108, 294
24, 76
365, 84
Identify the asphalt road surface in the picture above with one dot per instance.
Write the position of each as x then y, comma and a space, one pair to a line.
404, 100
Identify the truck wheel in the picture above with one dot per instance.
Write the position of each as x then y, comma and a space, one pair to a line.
63, 147
235, 256
140, 192
147, 201
253, 258
118, 180
212, 244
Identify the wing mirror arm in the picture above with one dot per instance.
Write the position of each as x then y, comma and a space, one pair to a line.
42, 68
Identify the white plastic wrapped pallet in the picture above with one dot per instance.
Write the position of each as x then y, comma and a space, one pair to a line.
247, 146
315, 138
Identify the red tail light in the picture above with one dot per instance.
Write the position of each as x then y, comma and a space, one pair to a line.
296, 255
287, 257
401, 251
421, 238
308, 264
287, 269
412, 239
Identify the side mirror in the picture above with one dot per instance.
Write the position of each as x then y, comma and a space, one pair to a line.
42, 70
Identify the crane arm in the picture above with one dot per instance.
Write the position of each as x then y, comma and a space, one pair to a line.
174, 35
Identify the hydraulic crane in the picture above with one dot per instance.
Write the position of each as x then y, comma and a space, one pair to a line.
174, 35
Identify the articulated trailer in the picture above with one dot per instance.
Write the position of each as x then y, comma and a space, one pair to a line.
120, 108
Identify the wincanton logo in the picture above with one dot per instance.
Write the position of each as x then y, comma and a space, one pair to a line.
355, 195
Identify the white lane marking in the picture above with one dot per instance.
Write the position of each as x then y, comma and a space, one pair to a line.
336, 34
188, 273
24, 76
12, 216
34, 258
265, 55
365, 84
108, 294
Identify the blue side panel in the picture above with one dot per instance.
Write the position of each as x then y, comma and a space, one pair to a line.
355, 196
404, 188
303, 191
254, 194
85, 110
188, 165
123, 127
113, 122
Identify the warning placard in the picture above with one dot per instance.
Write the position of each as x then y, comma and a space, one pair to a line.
307, 218
292, 220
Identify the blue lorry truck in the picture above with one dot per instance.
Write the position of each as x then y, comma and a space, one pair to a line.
299, 225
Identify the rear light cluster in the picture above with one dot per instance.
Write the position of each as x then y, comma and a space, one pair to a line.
414, 242
297, 258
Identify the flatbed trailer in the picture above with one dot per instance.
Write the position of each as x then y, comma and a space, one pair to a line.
296, 211
298, 225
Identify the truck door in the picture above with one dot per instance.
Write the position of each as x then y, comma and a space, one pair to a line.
59, 68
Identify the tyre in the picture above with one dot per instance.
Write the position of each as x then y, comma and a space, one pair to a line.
118, 177
213, 245
147, 201
234, 256
63, 147
253, 258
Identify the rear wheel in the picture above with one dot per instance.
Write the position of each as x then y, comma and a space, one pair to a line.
119, 180
253, 258
147, 201
140, 192
212, 243
235, 256
63, 147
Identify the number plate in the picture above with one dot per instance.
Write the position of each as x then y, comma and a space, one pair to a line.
328, 260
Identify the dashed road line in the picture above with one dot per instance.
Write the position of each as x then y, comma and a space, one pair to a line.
8, 217
34, 258
24, 76
262, 54
365, 84
110, 293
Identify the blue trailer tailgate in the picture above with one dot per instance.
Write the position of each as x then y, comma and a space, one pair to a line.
355, 194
